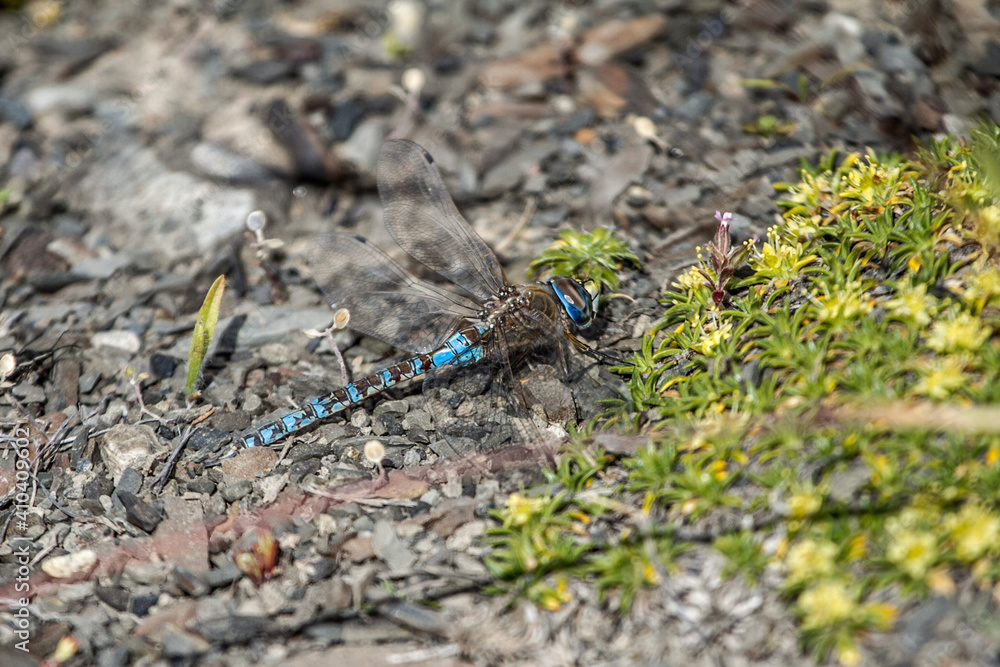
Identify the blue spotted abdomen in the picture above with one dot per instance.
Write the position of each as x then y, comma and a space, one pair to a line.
462, 348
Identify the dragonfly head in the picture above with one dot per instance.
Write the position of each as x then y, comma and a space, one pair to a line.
578, 300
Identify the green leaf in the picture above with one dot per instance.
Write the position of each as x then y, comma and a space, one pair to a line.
593, 256
204, 331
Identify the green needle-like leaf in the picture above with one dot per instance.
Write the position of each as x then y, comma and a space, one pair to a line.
204, 331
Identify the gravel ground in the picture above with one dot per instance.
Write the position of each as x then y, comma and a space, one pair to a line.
136, 138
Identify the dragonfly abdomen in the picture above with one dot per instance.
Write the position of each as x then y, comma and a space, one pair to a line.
461, 348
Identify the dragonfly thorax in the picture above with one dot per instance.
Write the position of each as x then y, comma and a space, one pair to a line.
507, 301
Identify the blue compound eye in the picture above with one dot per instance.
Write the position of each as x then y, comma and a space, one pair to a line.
577, 300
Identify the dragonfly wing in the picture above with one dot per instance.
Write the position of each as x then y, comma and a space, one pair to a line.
422, 217
482, 408
384, 300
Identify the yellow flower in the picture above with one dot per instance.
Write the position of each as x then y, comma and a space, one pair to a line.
940, 582
993, 455
913, 553
804, 226
690, 280
881, 468
549, 598
712, 339
963, 332
778, 259
913, 303
826, 605
848, 655
846, 304
973, 530
857, 548
882, 614
988, 226
810, 559
522, 509
804, 503
941, 377
982, 287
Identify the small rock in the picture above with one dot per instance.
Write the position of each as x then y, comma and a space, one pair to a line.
185, 523
15, 112
236, 490
231, 422
76, 592
182, 647
141, 604
301, 469
121, 339
65, 98
115, 597
231, 629
138, 512
191, 583
360, 419
88, 381
130, 481
466, 535
128, 446
113, 656
101, 268
250, 463
145, 572
362, 149
222, 576
218, 162
201, 485
162, 366
391, 407
419, 419
389, 548
70, 565
208, 439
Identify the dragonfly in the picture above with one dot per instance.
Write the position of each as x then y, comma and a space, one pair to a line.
493, 322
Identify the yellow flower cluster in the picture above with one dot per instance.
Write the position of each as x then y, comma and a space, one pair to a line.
848, 304
827, 604
941, 377
962, 332
913, 303
810, 559
521, 509
973, 531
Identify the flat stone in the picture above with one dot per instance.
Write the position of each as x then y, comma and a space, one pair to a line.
236, 489
122, 340
389, 548
129, 446
138, 512
248, 464
182, 537
231, 629
62, 98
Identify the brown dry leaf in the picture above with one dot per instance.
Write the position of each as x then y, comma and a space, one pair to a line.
926, 416
620, 444
452, 513
614, 38
402, 487
358, 549
605, 101
534, 66
250, 463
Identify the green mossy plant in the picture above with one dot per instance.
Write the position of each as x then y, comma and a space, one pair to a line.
840, 387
